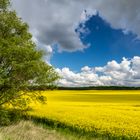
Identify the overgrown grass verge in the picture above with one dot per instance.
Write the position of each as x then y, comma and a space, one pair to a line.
79, 134
27, 130
71, 134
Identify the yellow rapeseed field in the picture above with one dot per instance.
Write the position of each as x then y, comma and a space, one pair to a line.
112, 114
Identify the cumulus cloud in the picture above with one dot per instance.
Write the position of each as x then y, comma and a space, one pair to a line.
126, 73
54, 21
46, 48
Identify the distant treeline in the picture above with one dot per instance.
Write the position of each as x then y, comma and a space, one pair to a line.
44, 87
100, 88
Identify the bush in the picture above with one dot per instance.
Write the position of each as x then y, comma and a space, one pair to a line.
8, 117
4, 117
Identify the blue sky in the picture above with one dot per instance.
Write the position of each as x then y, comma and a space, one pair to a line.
89, 42
106, 44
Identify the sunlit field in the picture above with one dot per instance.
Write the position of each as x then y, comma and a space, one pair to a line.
108, 114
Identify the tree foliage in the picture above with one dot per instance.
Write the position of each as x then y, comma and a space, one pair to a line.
21, 64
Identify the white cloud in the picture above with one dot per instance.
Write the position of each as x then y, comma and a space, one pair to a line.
86, 69
86, 14
126, 73
55, 20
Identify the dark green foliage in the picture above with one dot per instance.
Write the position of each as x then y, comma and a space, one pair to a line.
21, 64
100, 88
4, 5
9, 116
4, 117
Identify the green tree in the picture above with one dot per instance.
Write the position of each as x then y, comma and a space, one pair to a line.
21, 64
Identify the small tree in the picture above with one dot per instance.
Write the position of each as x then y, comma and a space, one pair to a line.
21, 63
